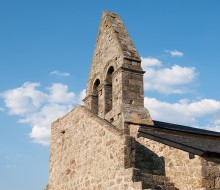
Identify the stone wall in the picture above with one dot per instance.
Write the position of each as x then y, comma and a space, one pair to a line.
112, 46
183, 172
198, 173
88, 153
95, 148
115, 54
211, 172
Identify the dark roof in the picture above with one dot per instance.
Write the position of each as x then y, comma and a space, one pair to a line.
189, 139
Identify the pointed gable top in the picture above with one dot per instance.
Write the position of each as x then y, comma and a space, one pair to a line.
125, 42
114, 47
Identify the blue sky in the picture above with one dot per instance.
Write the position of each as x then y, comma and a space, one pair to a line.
46, 49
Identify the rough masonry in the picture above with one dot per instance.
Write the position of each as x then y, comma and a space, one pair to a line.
112, 143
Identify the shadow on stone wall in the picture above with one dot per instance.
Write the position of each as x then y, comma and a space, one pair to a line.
148, 161
212, 158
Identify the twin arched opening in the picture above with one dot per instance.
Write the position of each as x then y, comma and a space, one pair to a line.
108, 93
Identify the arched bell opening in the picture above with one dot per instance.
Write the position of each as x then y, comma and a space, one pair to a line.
109, 90
95, 106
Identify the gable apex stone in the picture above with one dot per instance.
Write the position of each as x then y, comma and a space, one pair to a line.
113, 47
124, 40
115, 84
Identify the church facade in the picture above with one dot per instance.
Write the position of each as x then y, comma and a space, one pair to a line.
112, 143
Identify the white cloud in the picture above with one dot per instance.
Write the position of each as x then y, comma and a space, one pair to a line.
174, 53
150, 62
169, 80
24, 99
178, 80
82, 95
59, 73
39, 108
183, 112
58, 93
217, 122
215, 128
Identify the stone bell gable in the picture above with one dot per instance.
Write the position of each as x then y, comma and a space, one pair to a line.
111, 143
115, 85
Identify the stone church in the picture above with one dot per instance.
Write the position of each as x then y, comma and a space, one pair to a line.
112, 143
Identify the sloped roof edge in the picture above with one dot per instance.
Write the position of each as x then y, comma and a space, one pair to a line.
189, 139
183, 128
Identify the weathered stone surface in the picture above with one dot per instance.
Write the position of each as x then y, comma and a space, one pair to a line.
88, 153
96, 147
185, 173
175, 164
115, 85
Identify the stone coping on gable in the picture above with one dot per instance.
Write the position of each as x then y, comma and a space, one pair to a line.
81, 110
